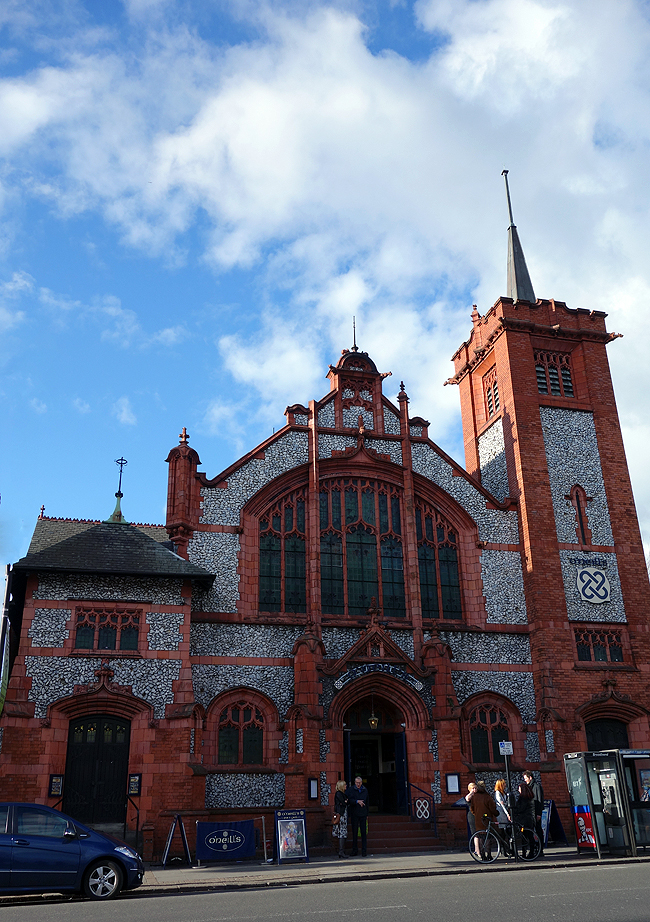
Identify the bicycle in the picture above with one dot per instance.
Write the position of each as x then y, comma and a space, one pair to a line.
487, 844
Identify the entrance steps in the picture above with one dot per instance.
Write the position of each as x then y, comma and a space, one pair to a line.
388, 833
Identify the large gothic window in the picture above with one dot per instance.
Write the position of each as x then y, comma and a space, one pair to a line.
282, 555
361, 547
438, 561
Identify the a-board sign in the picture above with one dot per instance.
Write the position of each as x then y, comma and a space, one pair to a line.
290, 835
505, 748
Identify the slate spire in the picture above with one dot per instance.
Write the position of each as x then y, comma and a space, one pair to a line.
520, 287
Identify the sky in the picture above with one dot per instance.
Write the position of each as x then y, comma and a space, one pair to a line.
197, 196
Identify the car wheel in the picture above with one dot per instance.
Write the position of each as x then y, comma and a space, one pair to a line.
102, 880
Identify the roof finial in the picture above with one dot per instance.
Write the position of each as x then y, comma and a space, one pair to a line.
520, 287
117, 518
355, 348
183, 436
42, 515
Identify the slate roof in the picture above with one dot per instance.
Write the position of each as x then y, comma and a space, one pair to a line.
50, 531
112, 548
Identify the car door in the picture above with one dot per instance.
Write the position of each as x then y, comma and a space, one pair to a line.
42, 857
5, 847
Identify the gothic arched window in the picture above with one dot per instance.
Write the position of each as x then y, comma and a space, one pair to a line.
241, 734
488, 726
438, 561
361, 547
282, 555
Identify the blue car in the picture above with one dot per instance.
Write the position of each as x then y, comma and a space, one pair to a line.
42, 850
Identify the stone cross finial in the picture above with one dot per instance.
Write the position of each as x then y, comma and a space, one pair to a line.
183, 435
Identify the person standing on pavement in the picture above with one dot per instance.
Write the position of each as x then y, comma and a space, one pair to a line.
538, 794
358, 807
471, 789
340, 829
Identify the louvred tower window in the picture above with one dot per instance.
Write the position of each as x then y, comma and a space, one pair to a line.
491, 390
553, 370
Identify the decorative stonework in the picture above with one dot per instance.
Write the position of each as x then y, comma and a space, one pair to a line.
494, 525
48, 627
436, 788
550, 740
113, 588
580, 610
479, 647
386, 447
192, 740
338, 640
218, 553
323, 746
284, 748
164, 630
222, 506
492, 458
517, 686
415, 431
300, 741
326, 417
433, 745
391, 422
242, 640
232, 790
55, 677
532, 747
503, 587
276, 682
325, 790
573, 458
351, 417
300, 419
328, 443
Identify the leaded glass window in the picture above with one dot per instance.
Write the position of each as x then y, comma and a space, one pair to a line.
282, 573
438, 562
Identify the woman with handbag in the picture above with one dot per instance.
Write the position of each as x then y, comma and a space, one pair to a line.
340, 818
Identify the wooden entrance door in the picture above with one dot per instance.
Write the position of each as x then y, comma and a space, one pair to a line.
96, 770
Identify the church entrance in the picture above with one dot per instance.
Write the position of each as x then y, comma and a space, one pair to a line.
375, 748
96, 771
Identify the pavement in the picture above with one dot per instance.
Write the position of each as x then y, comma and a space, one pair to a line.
178, 878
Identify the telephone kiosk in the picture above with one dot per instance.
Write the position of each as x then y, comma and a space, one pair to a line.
610, 800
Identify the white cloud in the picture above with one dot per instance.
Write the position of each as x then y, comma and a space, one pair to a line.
37, 405
124, 412
81, 406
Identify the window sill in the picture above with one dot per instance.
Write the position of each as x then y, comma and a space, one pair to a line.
107, 654
591, 667
199, 769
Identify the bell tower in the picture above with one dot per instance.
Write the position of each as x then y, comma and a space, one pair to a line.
540, 425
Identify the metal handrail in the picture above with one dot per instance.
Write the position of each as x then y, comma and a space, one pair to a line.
431, 805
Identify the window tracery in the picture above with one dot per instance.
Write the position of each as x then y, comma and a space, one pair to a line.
438, 563
488, 726
282, 575
553, 370
240, 734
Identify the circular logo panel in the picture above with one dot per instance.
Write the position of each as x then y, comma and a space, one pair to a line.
593, 585
227, 840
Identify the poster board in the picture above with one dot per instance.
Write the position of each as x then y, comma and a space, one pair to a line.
291, 836
231, 841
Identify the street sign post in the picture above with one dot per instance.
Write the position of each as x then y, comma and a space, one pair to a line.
505, 749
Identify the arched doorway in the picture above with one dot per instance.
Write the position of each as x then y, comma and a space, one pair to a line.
375, 748
96, 771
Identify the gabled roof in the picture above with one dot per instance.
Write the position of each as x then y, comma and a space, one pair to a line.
118, 549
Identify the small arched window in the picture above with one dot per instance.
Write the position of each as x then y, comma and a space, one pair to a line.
241, 734
488, 726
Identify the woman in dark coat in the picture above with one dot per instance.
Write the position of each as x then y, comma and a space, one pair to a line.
524, 813
340, 830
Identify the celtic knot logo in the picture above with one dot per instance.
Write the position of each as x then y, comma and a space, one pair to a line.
593, 585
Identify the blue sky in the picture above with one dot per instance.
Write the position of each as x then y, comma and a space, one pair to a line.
196, 198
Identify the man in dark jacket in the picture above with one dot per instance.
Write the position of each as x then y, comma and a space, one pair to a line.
538, 794
358, 808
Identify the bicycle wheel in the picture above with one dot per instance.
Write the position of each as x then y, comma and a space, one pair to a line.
484, 846
528, 845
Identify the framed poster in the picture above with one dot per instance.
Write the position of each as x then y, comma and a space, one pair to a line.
135, 785
56, 785
644, 775
291, 835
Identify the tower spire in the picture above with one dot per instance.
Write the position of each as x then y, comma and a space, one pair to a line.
117, 518
520, 287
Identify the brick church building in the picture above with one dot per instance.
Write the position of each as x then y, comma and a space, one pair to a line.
347, 599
